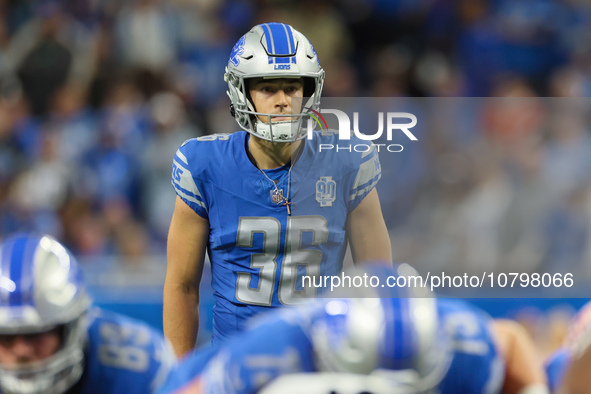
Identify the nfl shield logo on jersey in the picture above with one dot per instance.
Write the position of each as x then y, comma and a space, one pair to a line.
277, 196
326, 190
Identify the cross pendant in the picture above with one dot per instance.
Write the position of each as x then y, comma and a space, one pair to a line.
287, 204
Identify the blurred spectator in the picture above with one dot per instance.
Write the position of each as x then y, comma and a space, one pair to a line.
568, 150
171, 128
521, 235
47, 51
40, 191
567, 232
73, 123
11, 156
108, 172
146, 35
124, 117
84, 230
95, 97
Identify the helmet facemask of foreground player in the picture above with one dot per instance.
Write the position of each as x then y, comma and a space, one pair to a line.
271, 51
394, 341
41, 292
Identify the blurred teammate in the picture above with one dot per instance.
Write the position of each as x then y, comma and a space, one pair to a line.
265, 203
369, 345
52, 341
569, 368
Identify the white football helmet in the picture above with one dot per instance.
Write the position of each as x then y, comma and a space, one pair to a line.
396, 338
41, 289
273, 50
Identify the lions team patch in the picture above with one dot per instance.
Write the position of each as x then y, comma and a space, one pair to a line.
326, 191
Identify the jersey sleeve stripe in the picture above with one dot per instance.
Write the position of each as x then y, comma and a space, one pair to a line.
184, 180
367, 171
366, 189
178, 187
180, 164
188, 195
369, 152
188, 186
364, 186
180, 155
188, 198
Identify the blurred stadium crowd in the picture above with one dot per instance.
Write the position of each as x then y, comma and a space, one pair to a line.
97, 95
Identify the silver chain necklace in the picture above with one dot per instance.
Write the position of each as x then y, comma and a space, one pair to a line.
278, 194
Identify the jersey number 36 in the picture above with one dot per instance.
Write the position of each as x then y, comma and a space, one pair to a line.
266, 262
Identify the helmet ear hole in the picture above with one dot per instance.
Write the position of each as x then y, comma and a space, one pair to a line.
309, 86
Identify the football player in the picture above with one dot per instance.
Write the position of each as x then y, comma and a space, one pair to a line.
369, 345
265, 203
568, 368
51, 339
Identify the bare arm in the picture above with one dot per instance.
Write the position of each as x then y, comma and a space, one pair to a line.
367, 231
523, 368
187, 242
577, 379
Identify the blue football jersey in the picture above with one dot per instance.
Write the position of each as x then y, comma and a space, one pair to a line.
277, 345
258, 252
123, 356
476, 366
556, 367
281, 344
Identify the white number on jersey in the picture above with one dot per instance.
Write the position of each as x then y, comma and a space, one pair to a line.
295, 256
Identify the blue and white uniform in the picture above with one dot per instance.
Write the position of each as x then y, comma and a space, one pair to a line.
99, 351
259, 252
556, 367
476, 365
123, 355
576, 345
282, 344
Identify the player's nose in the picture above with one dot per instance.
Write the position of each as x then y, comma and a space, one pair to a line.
22, 349
282, 99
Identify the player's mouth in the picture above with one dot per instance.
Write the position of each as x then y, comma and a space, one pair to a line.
279, 118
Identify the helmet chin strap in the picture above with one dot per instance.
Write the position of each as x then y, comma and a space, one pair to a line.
277, 129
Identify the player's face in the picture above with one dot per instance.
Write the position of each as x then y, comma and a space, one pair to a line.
274, 96
27, 348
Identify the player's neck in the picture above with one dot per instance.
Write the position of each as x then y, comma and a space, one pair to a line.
269, 155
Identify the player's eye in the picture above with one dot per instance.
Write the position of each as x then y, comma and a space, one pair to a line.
6, 339
293, 88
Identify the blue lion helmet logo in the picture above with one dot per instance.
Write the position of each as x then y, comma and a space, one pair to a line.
237, 51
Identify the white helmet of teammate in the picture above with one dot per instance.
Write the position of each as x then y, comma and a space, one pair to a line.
41, 289
392, 335
273, 50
